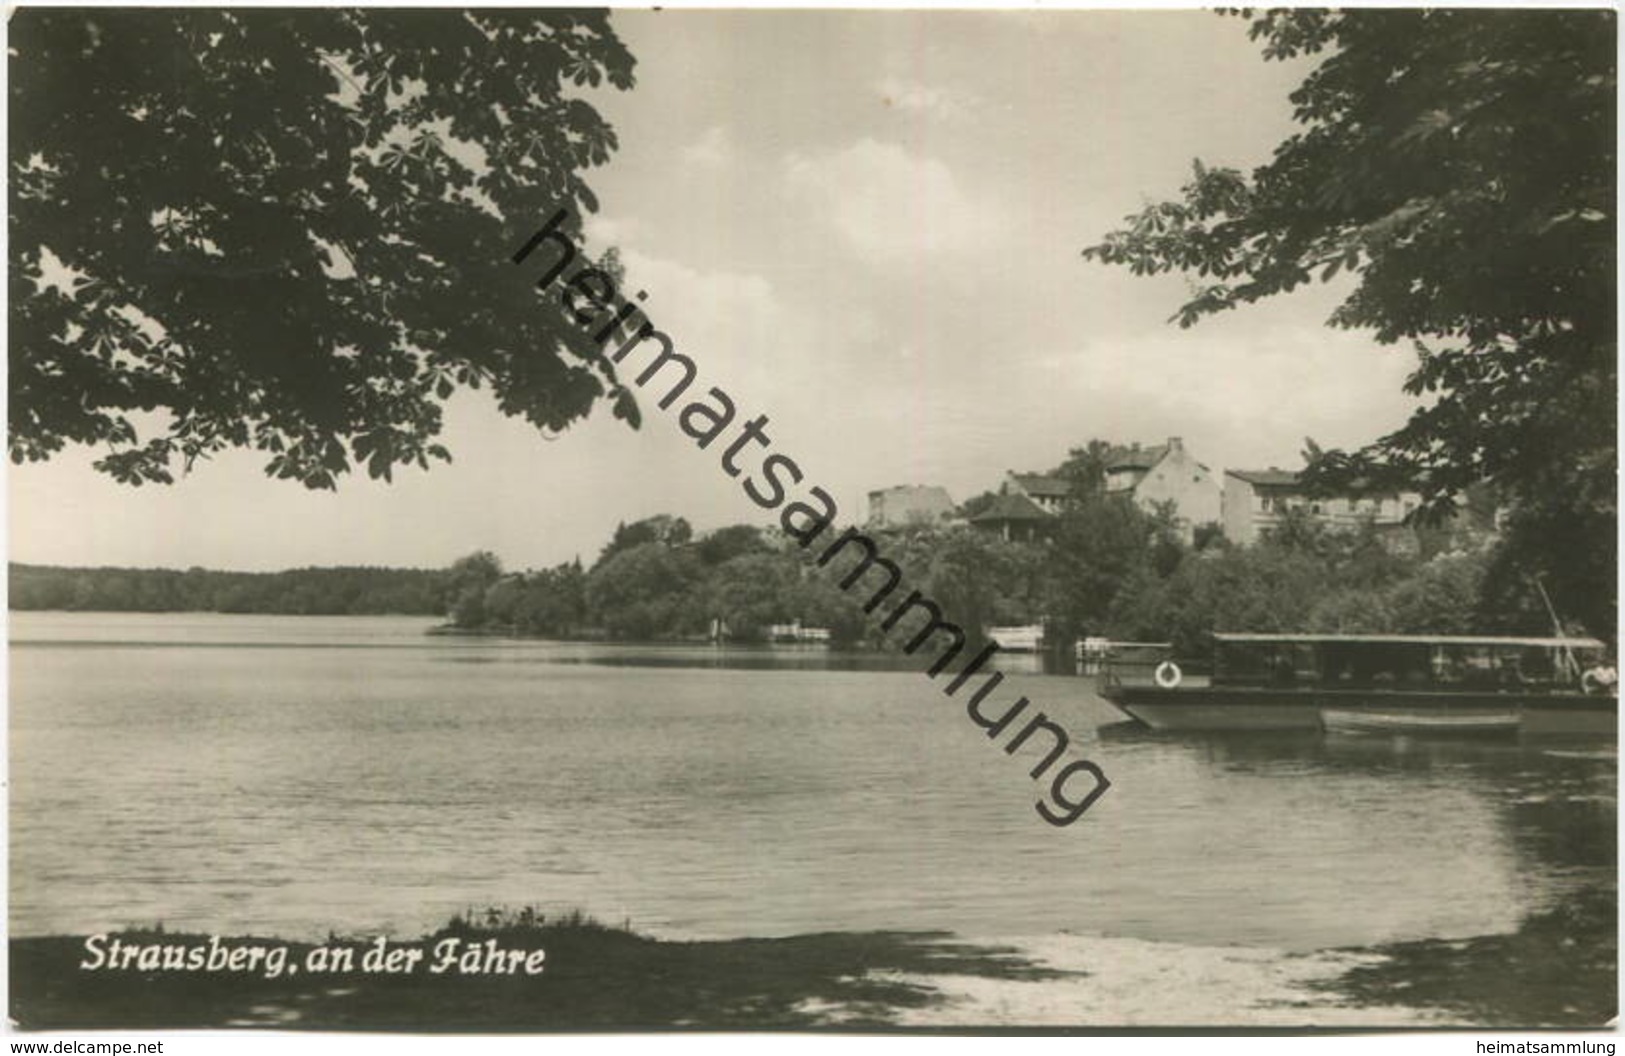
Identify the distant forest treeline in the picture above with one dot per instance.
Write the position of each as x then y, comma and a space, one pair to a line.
296, 592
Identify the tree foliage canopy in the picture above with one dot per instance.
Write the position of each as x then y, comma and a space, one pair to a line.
290, 229
1461, 164
1085, 467
662, 528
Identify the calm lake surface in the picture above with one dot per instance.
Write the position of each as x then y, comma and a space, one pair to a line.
300, 775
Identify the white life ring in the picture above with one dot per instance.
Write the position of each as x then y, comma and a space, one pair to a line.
1167, 675
1598, 680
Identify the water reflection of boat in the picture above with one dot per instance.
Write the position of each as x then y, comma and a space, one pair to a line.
1418, 682
1502, 722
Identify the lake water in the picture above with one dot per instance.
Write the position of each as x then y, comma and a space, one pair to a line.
300, 775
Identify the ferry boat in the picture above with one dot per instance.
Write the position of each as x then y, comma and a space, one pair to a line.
1369, 683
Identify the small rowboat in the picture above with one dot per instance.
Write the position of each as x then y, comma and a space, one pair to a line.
1470, 724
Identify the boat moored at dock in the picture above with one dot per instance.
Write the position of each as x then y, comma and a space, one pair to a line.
1025, 639
1396, 684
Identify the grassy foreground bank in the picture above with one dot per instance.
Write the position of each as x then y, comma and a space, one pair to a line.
1558, 969
594, 978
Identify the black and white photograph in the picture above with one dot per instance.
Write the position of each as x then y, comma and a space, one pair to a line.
535, 520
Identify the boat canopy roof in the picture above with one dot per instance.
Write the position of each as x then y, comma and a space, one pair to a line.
1409, 639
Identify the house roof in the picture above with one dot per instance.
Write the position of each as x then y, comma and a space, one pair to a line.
1038, 484
1008, 507
1269, 478
1135, 457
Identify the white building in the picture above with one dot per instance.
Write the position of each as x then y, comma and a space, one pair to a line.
908, 504
1256, 499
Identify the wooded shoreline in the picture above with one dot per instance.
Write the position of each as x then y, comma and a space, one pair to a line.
1110, 570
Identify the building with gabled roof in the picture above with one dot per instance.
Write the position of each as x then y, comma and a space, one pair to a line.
1134, 459
1256, 500
1149, 476
1048, 493
1166, 474
1015, 517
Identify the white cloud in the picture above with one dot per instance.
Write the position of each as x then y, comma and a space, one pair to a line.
734, 324
776, 352
603, 231
1246, 394
890, 203
703, 299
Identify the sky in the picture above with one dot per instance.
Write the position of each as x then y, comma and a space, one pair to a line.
866, 226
